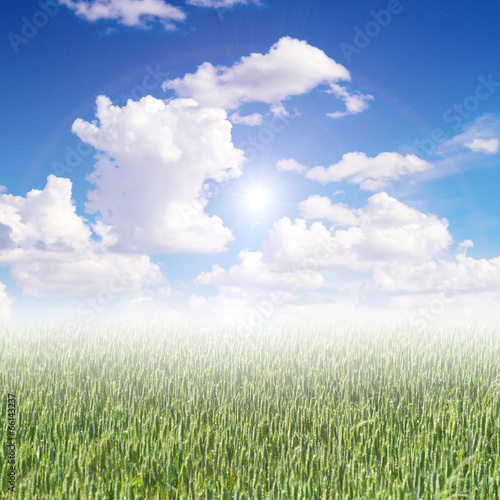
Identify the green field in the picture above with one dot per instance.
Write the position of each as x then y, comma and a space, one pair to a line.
289, 411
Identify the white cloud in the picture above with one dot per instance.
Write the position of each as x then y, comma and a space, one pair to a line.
385, 230
295, 256
466, 244
474, 147
137, 13
43, 219
321, 207
461, 275
393, 258
255, 273
221, 3
52, 255
154, 160
81, 274
291, 67
399, 251
482, 135
279, 110
484, 145
291, 166
251, 120
371, 174
5, 302
355, 103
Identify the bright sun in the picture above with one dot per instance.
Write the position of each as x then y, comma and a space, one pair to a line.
258, 199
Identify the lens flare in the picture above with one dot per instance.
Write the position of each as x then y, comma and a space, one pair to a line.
258, 199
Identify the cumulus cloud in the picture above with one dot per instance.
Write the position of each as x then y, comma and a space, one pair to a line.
291, 165
295, 256
251, 120
463, 274
291, 67
384, 229
81, 274
138, 13
6, 240
372, 174
355, 103
391, 257
51, 251
44, 219
154, 158
321, 207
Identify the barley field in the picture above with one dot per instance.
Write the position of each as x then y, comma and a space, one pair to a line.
338, 410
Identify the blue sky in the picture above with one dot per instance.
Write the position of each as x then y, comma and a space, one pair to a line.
371, 127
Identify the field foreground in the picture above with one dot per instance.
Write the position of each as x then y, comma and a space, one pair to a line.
339, 411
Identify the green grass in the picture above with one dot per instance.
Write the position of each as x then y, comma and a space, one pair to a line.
175, 411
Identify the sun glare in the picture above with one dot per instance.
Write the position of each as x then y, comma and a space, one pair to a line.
258, 199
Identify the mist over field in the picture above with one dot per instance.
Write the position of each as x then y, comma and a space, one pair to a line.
182, 410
